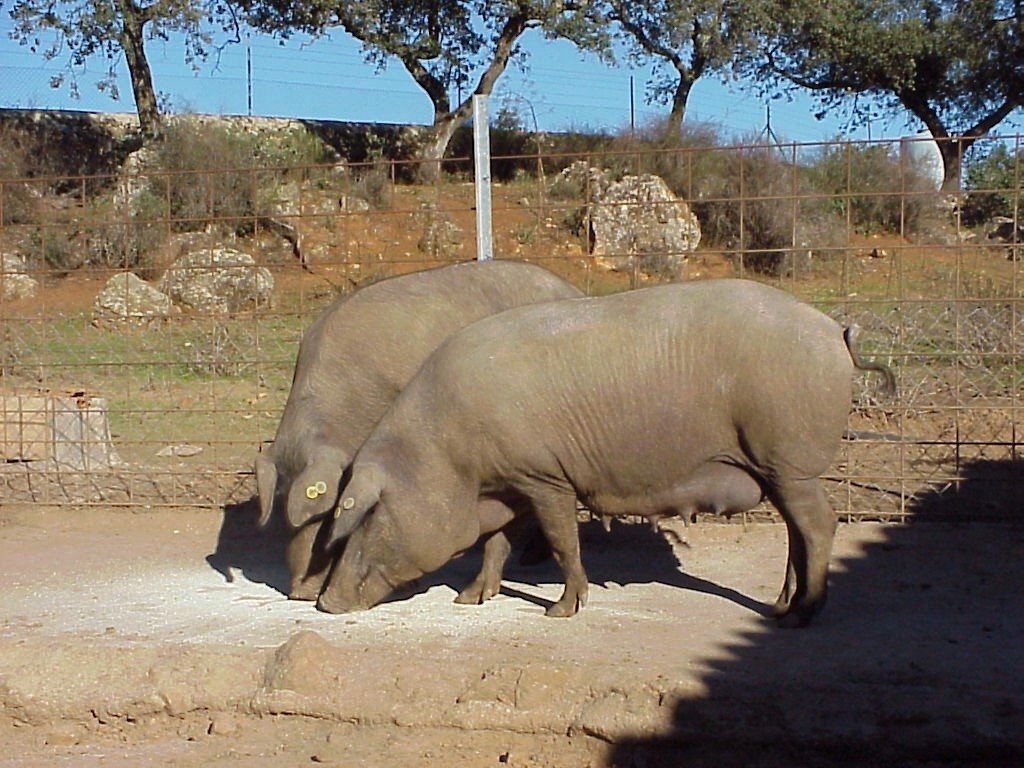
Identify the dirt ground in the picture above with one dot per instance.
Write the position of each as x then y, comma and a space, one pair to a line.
163, 638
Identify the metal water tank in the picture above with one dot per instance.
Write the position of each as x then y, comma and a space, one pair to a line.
921, 153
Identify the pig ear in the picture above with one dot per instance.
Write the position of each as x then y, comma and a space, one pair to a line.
315, 489
266, 482
360, 496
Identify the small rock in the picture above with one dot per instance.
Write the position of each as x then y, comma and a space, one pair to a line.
62, 735
181, 451
15, 282
126, 299
223, 724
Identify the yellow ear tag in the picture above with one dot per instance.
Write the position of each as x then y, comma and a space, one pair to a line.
312, 492
348, 503
321, 487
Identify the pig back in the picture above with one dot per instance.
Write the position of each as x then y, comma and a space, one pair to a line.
641, 388
360, 352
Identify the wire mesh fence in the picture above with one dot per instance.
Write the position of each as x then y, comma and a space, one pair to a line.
150, 318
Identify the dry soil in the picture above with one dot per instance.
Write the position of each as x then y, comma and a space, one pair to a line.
163, 638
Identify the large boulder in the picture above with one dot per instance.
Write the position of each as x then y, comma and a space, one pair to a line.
217, 281
637, 222
582, 179
128, 300
15, 282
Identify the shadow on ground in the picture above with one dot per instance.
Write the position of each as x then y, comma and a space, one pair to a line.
257, 553
908, 665
629, 554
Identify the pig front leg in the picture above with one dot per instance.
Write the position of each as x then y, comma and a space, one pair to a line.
497, 522
488, 581
556, 513
308, 561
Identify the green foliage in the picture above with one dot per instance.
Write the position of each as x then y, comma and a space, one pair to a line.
867, 186
994, 184
955, 66
80, 31
293, 147
684, 40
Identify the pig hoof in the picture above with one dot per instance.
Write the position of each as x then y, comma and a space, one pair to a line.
327, 605
476, 594
797, 617
470, 596
307, 592
783, 604
563, 608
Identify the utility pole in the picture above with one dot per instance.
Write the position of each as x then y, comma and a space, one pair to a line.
632, 107
248, 72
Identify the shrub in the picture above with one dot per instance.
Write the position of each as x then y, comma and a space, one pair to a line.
127, 243
214, 174
372, 182
994, 182
868, 185
743, 197
18, 158
209, 176
293, 147
679, 156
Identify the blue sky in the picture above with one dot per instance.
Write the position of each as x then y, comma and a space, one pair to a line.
328, 79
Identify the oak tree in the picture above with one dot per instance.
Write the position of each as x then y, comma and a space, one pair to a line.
447, 46
955, 65
79, 30
685, 40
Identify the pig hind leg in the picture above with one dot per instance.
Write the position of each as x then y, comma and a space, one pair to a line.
811, 525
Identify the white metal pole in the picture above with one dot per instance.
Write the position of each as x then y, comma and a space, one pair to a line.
482, 177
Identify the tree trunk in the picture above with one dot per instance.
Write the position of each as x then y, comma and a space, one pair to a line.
445, 121
952, 153
133, 23
432, 152
681, 95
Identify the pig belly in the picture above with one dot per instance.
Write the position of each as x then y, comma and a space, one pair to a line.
718, 488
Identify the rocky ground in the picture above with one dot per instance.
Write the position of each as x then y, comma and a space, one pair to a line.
163, 638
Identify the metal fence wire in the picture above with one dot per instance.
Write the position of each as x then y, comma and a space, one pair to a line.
165, 400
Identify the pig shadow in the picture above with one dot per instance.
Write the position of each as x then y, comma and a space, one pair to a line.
257, 553
628, 554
